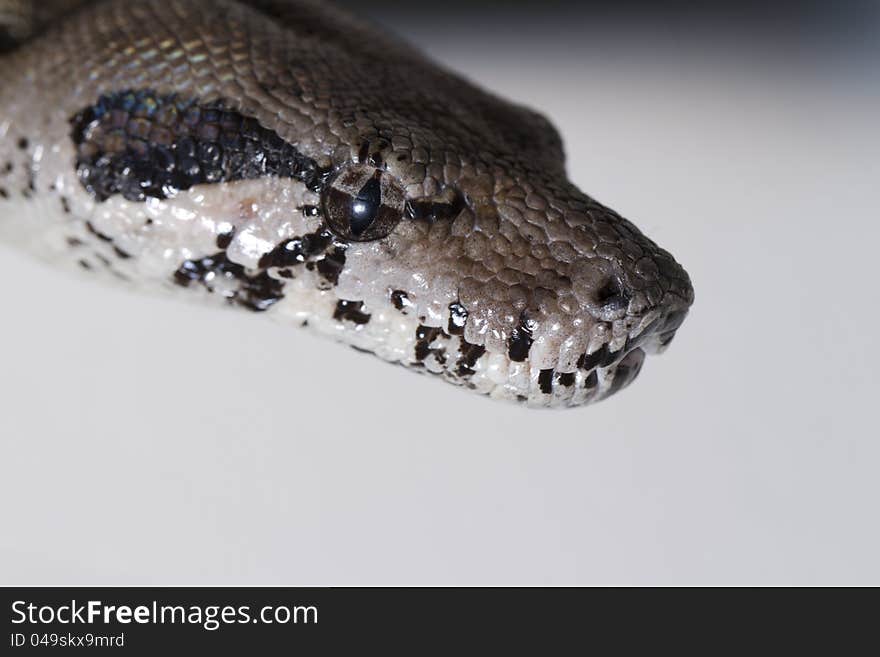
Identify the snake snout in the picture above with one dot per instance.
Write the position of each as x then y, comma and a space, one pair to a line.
657, 336
615, 319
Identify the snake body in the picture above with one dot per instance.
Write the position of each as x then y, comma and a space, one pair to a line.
286, 158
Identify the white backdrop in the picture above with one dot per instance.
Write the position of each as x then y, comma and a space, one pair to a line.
147, 441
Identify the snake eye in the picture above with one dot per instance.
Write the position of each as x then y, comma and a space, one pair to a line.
363, 203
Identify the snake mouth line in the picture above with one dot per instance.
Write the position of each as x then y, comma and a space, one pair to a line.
445, 352
528, 385
602, 372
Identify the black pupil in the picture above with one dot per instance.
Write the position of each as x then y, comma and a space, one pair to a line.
364, 207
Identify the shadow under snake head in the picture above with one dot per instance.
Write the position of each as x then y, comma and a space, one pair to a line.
289, 159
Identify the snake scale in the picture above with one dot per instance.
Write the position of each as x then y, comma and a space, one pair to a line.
289, 159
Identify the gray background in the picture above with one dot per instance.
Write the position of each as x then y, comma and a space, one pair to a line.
147, 441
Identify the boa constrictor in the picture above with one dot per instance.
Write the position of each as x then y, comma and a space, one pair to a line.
286, 158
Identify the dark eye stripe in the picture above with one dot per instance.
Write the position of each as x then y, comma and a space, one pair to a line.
142, 145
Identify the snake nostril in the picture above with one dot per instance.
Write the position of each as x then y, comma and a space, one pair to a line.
612, 296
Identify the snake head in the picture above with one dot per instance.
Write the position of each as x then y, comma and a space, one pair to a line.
523, 287
289, 159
